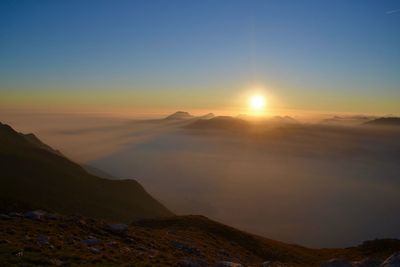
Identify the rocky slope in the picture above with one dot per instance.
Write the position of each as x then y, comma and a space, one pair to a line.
44, 239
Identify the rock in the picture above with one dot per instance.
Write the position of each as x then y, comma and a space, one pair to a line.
35, 215
186, 248
81, 222
56, 262
392, 261
336, 263
266, 264
94, 250
153, 253
19, 253
15, 214
118, 228
368, 263
5, 217
228, 264
91, 241
43, 240
125, 250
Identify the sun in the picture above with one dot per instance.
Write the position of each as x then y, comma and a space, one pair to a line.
257, 103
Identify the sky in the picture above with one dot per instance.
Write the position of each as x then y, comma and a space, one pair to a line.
323, 56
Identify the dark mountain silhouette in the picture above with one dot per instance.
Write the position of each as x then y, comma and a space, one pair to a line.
97, 172
283, 120
186, 116
347, 120
37, 142
385, 121
177, 118
241, 122
219, 123
180, 115
34, 175
274, 120
244, 117
207, 116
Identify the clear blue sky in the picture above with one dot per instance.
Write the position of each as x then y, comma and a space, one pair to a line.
309, 54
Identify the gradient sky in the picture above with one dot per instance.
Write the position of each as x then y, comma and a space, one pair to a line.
338, 56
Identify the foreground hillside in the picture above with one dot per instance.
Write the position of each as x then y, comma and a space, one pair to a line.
40, 239
33, 175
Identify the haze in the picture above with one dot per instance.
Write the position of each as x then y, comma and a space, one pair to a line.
294, 152
317, 184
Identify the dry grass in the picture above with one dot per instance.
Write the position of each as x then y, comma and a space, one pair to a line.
162, 242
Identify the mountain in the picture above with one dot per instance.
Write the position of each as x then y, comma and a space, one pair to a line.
42, 239
347, 120
97, 172
180, 115
272, 120
283, 120
37, 142
33, 175
179, 119
385, 121
207, 116
219, 123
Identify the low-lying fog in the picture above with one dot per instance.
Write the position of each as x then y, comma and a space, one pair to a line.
312, 184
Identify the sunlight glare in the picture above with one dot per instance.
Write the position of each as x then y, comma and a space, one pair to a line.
257, 102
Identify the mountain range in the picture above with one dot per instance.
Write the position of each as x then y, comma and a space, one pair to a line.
384, 121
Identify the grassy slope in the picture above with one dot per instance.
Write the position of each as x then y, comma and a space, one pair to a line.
33, 177
159, 242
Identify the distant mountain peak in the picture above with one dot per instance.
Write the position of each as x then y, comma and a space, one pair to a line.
386, 121
284, 119
347, 119
220, 122
180, 115
207, 116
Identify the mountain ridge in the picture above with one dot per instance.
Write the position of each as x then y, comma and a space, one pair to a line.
180, 115
51, 181
384, 121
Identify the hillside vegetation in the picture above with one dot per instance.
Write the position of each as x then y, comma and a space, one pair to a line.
186, 241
